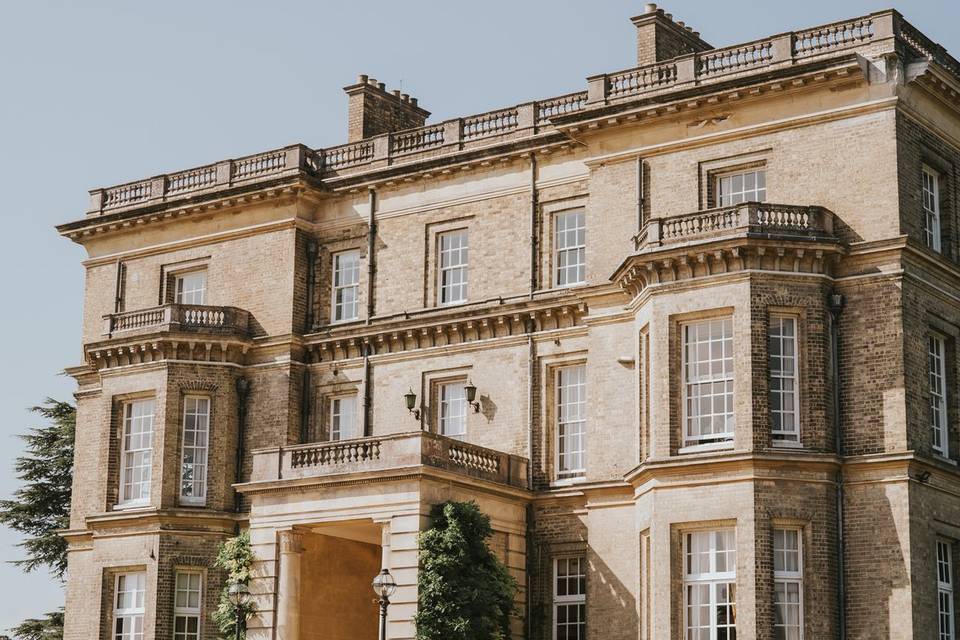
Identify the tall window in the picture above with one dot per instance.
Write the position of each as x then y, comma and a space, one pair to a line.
191, 288
453, 410
938, 394
784, 375
571, 248
931, 207
788, 585
128, 606
708, 381
186, 605
346, 286
196, 435
453, 267
569, 599
343, 418
945, 589
746, 186
709, 585
571, 421
136, 455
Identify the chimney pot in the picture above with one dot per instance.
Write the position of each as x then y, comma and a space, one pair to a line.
650, 8
373, 81
362, 78
668, 16
382, 86
405, 97
680, 23
396, 92
372, 110
413, 101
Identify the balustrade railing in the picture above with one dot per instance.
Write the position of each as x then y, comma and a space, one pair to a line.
184, 317
381, 453
748, 218
534, 117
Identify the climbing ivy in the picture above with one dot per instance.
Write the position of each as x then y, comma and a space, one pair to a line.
236, 558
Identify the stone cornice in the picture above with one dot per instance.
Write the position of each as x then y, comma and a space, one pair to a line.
152, 521
713, 467
162, 346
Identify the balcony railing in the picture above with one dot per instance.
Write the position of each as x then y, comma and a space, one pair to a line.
747, 219
385, 453
178, 317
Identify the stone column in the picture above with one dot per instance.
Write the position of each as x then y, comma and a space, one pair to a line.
288, 587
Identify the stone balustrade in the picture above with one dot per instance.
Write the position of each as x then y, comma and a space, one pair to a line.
178, 317
747, 219
532, 118
392, 452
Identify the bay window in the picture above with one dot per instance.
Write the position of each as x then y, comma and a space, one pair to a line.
569, 598
136, 454
187, 605
938, 393
708, 381
128, 606
945, 590
709, 585
787, 584
784, 377
196, 437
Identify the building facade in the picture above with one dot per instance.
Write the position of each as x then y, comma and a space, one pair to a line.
689, 337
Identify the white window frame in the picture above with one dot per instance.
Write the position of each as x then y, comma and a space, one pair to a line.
577, 249
576, 601
930, 201
789, 577
190, 296
337, 424
697, 382
186, 611
127, 468
445, 290
134, 614
712, 579
734, 197
938, 387
452, 412
571, 426
198, 484
945, 610
340, 311
781, 436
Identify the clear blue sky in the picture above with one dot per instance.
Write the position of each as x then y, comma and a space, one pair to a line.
103, 93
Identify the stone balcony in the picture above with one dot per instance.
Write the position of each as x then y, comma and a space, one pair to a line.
223, 321
747, 220
388, 454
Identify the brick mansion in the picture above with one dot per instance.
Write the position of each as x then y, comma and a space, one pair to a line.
690, 337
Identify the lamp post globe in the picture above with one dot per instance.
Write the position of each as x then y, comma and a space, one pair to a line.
384, 586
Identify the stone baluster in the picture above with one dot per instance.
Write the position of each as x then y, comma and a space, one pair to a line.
288, 585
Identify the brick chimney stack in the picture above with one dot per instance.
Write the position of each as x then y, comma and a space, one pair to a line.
372, 110
660, 38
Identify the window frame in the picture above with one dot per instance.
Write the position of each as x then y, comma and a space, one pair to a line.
781, 437
188, 611
945, 589
195, 500
571, 474
580, 249
334, 400
335, 271
932, 215
731, 173
125, 420
726, 438
789, 577
568, 600
179, 277
711, 578
443, 403
119, 614
939, 418
464, 266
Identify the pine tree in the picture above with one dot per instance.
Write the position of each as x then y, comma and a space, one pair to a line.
46, 628
465, 592
42, 504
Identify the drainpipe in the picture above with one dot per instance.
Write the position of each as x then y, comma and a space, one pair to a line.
371, 258
835, 305
118, 290
639, 194
533, 224
367, 396
305, 405
311, 284
243, 391
532, 569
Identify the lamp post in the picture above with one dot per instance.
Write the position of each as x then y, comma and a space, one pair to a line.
384, 585
238, 593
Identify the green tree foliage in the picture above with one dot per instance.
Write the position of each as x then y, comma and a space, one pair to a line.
46, 628
236, 558
465, 592
42, 504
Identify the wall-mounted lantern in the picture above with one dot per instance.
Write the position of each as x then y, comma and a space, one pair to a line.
411, 400
471, 390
